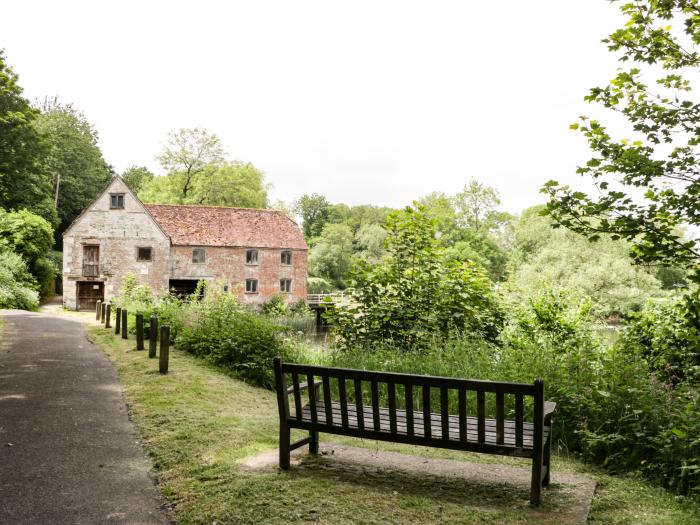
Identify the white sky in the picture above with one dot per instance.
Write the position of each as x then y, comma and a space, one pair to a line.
365, 102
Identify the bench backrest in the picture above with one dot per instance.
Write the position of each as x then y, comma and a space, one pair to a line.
385, 393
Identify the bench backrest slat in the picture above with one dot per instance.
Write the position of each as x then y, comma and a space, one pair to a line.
327, 399
391, 394
500, 418
375, 405
519, 410
427, 429
359, 405
409, 409
481, 415
297, 394
342, 394
445, 413
312, 397
462, 408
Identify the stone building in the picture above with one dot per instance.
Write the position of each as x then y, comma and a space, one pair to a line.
254, 254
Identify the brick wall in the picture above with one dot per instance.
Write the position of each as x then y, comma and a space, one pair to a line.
228, 265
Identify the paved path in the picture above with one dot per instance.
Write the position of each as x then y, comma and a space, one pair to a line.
68, 452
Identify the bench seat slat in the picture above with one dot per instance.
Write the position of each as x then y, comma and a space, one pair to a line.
489, 437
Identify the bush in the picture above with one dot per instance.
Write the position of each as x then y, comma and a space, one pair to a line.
222, 331
668, 337
17, 286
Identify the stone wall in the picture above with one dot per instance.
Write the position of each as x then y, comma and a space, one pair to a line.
228, 265
118, 233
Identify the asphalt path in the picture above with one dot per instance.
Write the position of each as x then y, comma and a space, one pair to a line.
68, 451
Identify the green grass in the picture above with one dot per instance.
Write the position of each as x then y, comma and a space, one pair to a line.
198, 425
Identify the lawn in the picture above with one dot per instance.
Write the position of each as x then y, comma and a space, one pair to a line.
199, 425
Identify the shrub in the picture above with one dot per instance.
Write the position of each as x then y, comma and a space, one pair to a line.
415, 292
275, 305
222, 331
17, 286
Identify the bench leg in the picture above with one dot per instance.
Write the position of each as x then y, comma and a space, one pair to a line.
536, 481
546, 461
313, 443
285, 436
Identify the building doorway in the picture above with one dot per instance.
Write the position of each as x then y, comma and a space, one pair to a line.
89, 293
182, 288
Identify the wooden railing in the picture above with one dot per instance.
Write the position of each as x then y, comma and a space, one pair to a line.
315, 299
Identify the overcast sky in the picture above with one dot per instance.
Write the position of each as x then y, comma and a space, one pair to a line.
365, 102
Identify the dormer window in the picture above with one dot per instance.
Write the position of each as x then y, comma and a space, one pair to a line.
116, 201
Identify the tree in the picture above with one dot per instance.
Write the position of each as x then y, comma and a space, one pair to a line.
369, 241
23, 184
601, 273
31, 237
314, 212
329, 258
476, 208
137, 177
416, 295
188, 152
649, 184
232, 184
73, 160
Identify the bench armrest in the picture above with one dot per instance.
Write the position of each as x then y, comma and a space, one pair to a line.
549, 408
304, 386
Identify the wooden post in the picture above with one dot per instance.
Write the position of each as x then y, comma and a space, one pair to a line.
108, 316
103, 308
98, 310
125, 326
164, 349
153, 336
139, 331
118, 321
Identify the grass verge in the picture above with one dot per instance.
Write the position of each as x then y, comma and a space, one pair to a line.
199, 424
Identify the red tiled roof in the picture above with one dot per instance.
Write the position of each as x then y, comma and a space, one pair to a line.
218, 226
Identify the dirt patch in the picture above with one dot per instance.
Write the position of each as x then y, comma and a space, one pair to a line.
566, 500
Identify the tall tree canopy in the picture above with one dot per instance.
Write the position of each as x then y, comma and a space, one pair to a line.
314, 212
137, 177
73, 160
198, 173
188, 152
648, 181
23, 183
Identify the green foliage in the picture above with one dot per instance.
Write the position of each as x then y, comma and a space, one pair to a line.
369, 243
23, 183
224, 332
415, 293
319, 285
275, 305
329, 258
660, 158
73, 161
314, 212
17, 286
600, 272
237, 184
137, 177
198, 173
31, 237
667, 335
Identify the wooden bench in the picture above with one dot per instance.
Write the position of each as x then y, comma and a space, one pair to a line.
347, 402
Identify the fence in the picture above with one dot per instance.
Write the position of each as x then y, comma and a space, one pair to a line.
103, 314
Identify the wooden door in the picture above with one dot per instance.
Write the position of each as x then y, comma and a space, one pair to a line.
88, 295
91, 261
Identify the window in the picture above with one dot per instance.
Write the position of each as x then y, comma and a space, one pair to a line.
251, 286
116, 201
144, 253
286, 257
285, 285
251, 257
198, 255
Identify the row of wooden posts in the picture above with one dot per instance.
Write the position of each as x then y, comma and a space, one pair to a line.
103, 313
